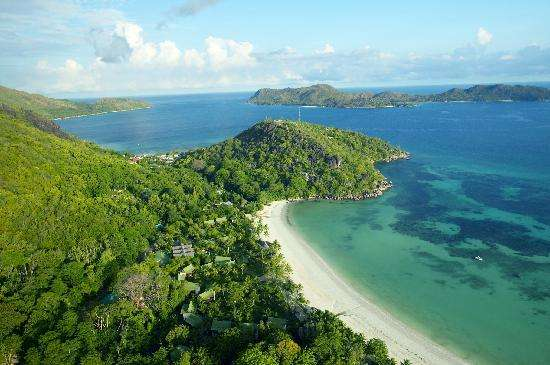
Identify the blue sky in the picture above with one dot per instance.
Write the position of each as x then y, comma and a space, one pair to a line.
78, 47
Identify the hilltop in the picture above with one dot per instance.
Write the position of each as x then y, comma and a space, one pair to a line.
327, 96
50, 108
91, 243
281, 159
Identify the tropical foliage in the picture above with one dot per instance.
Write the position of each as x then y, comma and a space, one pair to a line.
284, 159
87, 273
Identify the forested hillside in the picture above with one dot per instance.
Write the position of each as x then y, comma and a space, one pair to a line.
284, 159
328, 96
50, 108
90, 270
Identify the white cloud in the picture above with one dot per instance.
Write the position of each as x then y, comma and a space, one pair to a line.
131, 32
70, 76
125, 42
192, 58
144, 54
169, 54
327, 49
126, 62
291, 75
227, 53
484, 37
385, 55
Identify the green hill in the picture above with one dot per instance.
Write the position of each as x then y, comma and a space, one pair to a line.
284, 159
59, 108
496, 92
328, 96
86, 237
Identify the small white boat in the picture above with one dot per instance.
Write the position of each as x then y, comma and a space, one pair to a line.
478, 258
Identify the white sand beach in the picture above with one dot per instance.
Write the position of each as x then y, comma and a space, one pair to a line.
325, 290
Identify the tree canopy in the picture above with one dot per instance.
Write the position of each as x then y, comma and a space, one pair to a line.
87, 273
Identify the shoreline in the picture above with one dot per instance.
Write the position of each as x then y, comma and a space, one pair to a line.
101, 113
321, 286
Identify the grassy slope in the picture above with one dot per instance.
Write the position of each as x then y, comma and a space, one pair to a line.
58, 108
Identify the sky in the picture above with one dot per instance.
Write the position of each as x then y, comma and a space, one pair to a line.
130, 47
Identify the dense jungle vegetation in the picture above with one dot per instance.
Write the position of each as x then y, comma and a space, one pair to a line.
87, 273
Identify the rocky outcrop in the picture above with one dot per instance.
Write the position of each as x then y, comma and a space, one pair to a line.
401, 155
334, 161
378, 190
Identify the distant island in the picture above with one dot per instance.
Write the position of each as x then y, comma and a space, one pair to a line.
322, 95
50, 108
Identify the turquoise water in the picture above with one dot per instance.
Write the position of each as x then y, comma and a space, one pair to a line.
478, 184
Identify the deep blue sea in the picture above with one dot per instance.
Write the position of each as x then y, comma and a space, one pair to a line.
478, 185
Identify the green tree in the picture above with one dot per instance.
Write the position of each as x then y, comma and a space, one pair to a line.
255, 356
377, 348
287, 351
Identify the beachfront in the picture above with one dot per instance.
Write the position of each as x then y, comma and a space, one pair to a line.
325, 290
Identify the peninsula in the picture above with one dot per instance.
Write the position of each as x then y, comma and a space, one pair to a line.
51, 108
327, 96
282, 159
105, 259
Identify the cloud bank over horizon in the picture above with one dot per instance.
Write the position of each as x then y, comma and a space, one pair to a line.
116, 55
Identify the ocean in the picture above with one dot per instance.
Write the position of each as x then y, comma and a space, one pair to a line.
478, 185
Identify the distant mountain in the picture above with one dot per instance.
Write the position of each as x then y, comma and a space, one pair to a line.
496, 92
327, 96
61, 108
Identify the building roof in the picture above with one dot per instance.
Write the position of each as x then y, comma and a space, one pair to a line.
219, 326
248, 327
188, 269
277, 322
207, 295
183, 250
222, 258
211, 222
191, 286
192, 319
